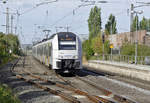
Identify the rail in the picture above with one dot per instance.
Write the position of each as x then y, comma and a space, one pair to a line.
116, 97
93, 98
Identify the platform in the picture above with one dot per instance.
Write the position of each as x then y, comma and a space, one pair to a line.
141, 72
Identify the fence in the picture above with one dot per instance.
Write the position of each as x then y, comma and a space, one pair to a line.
123, 58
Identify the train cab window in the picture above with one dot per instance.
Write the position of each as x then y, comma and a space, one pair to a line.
67, 41
67, 46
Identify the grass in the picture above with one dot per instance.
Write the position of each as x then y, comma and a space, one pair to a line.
6, 95
6, 59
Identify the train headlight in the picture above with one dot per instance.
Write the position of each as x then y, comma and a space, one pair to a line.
75, 57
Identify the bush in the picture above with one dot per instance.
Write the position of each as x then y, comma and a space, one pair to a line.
95, 45
129, 49
6, 95
87, 50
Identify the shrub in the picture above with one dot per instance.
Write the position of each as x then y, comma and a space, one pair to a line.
6, 95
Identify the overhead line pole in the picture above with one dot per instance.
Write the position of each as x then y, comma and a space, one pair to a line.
7, 20
132, 11
12, 24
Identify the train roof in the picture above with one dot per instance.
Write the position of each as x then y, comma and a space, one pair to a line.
52, 36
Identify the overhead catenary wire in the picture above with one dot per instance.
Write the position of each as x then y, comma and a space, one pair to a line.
72, 12
116, 14
37, 5
67, 15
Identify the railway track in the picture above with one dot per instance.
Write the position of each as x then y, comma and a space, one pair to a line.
106, 92
92, 98
118, 98
70, 87
64, 96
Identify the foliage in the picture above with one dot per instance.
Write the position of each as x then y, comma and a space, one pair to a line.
95, 46
6, 95
94, 22
110, 27
7, 43
135, 24
106, 47
129, 49
143, 24
87, 50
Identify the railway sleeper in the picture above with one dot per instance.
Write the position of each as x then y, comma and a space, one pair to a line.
55, 92
94, 99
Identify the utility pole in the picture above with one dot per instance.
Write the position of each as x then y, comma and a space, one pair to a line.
103, 39
7, 21
111, 39
17, 24
131, 17
136, 38
132, 13
11, 24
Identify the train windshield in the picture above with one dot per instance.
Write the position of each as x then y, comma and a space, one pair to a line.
67, 45
67, 41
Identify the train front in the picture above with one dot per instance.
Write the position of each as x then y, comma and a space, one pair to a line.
69, 53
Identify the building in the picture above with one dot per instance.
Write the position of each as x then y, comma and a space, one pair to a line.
142, 37
147, 39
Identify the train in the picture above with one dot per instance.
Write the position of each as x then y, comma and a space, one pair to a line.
61, 52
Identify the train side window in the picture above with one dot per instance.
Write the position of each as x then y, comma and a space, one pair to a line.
49, 49
45, 50
40, 51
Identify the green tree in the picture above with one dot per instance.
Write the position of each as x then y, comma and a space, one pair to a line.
110, 27
8, 42
148, 25
143, 24
94, 22
135, 24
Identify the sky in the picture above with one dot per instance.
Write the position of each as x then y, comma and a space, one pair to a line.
60, 14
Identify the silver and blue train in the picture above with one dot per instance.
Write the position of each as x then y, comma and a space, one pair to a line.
61, 52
